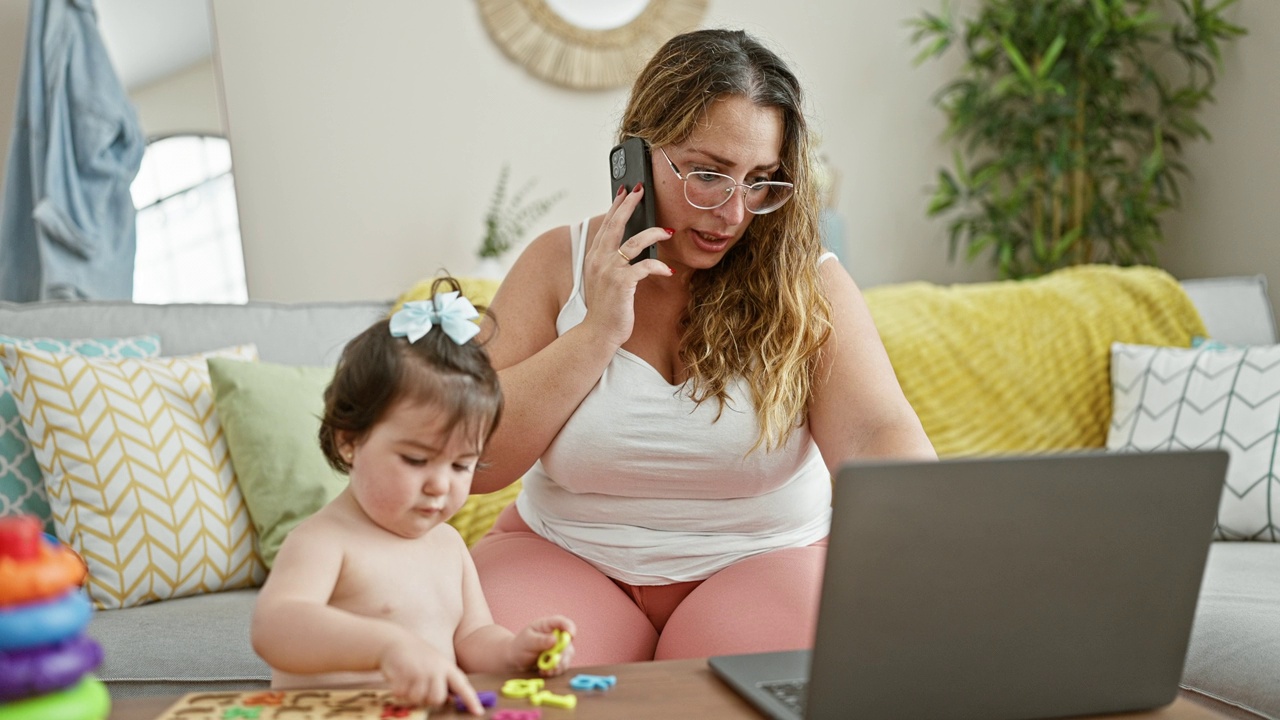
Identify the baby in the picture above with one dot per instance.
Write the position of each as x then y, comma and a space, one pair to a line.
376, 588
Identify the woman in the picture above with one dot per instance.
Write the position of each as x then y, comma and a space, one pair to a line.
678, 418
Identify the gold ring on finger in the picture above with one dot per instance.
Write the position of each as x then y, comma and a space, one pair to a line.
624, 256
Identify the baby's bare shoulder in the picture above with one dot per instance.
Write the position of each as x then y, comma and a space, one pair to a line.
442, 544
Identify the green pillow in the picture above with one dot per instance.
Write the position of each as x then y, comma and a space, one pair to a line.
270, 415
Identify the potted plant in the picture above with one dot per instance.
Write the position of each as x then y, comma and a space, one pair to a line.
506, 222
1069, 118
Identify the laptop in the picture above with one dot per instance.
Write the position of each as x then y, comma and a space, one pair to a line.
1015, 587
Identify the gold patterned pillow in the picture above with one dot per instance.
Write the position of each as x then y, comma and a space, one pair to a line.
137, 470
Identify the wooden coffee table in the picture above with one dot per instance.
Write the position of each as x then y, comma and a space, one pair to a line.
670, 688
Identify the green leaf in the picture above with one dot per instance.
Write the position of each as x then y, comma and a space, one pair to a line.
934, 49
1051, 57
1064, 243
1016, 58
958, 159
944, 197
980, 243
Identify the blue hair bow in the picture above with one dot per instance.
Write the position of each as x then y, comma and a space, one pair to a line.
452, 312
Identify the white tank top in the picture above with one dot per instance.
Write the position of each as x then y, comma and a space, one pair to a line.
641, 483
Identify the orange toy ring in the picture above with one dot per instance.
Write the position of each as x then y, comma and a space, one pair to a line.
56, 570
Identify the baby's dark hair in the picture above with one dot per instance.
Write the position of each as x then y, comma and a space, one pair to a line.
377, 370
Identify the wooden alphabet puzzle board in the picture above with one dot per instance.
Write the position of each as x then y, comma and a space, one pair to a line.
292, 705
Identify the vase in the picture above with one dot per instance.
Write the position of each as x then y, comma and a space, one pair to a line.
488, 268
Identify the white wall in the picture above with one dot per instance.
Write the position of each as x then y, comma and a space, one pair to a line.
1229, 222
367, 138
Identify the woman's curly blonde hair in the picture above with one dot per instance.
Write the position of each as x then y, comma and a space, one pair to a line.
760, 314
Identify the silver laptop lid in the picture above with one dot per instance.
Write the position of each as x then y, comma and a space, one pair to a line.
1023, 587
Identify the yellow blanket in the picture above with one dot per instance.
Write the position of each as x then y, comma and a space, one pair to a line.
1024, 366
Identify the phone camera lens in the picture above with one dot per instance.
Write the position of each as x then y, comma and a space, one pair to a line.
618, 163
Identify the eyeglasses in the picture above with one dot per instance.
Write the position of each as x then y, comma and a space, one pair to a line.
709, 190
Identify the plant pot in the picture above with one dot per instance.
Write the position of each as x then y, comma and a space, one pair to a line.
488, 268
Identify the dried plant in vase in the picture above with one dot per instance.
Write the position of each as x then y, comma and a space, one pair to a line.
505, 223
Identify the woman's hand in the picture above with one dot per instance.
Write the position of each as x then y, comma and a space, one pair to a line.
530, 643
608, 278
419, 674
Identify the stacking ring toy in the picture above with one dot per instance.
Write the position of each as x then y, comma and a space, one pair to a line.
44, 623
55, 570
88, 700
43, 669
19, 537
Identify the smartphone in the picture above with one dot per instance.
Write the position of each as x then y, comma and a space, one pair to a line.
629, 164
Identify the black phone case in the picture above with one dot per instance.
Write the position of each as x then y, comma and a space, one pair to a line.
629, 164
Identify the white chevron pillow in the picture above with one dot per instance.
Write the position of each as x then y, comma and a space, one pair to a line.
138, 473
1209, 397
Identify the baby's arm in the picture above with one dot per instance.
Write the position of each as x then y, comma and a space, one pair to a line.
295, 629
483, 646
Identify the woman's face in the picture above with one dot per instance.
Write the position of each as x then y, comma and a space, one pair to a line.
736, 138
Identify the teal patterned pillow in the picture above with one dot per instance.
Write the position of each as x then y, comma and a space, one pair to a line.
21, 486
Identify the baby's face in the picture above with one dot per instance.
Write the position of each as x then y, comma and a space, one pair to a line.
407, 474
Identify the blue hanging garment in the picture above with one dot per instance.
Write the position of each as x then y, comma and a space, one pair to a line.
67, 219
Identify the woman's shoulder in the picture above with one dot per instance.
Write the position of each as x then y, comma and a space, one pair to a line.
547, 263
551, 247
833, 274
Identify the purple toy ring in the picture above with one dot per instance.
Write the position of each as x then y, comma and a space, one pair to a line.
39, 670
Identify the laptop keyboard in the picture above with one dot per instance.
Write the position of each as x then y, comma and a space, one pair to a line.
788, 692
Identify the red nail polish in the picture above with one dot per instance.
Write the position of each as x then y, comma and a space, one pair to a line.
621, 189
637, 187
670, 231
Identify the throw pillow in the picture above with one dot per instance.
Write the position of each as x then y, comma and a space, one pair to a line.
1177, 398
479, 291
21, 485
271, 416
139, 478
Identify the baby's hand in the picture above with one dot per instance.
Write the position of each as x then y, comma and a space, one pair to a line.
530, 642
419, 674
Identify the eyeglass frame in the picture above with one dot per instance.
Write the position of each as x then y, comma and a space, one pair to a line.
729, 196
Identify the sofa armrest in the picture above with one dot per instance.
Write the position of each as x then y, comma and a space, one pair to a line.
1235, 310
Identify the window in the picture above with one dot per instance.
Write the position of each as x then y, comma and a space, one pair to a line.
188, 227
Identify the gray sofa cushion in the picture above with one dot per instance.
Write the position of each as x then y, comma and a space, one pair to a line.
191, 644
1235, 644
292, 334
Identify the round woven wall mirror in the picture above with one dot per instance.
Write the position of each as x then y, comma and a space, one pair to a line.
587, 44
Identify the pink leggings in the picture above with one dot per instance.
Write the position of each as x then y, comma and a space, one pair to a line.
762, 603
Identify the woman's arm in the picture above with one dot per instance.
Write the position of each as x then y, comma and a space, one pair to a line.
545, 376
858, 408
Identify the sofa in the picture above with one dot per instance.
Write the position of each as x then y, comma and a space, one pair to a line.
200, 642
